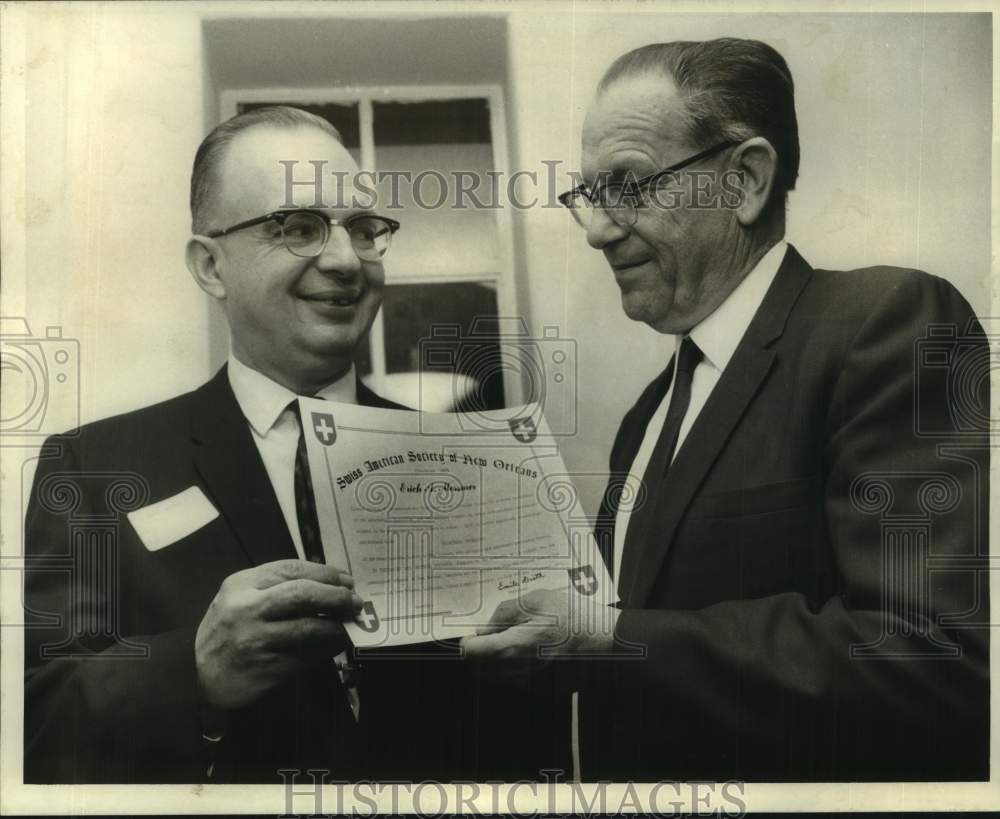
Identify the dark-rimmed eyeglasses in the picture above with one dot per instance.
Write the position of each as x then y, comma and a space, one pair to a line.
306, 232
621, 200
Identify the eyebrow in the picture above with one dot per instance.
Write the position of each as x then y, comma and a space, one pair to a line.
615, 177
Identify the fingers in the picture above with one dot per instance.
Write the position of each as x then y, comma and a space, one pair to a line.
542, 601
492, 628
506, 614
280, 571
536, 606
305, 636
301, 597
488, 646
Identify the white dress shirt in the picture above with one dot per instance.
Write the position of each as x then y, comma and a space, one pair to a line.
717, 336
275, 428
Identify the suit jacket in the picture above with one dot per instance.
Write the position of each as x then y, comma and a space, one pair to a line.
808, 606
111, 691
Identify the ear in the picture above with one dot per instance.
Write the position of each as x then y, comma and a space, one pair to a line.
757, 162
201, 255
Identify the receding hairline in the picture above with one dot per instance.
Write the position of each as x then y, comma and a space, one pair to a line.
662, 84
669, 97
214, 147
218, 170
728, 89
646, 72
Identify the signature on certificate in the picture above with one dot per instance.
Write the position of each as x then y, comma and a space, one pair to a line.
514, 582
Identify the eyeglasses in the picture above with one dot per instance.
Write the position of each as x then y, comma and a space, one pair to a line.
621, 200
306, 232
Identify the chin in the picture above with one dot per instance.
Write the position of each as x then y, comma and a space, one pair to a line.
642, 312
322, 368
320, 352
337, 337
336, 352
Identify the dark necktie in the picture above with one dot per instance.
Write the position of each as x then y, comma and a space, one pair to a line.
643, 519
312, 547
305, 504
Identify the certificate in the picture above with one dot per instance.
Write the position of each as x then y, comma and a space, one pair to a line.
439, 517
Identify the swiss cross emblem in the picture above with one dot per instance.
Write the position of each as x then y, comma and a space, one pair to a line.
367, 619
523, 429
326, 432
584, 580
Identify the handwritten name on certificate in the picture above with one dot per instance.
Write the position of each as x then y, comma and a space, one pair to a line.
441, 516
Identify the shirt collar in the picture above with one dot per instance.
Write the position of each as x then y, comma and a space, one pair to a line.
719, 334
263, 400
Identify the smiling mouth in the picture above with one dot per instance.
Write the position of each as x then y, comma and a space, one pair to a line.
622, 268
335, 299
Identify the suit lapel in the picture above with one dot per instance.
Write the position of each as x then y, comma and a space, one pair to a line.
743, 377
234, 474
368, 398
631, 435
230, 465
623, 452
704, 442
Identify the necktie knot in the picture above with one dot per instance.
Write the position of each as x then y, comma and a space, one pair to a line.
689, 356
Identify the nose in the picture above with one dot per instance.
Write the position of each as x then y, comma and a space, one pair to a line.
338, 257
603, 230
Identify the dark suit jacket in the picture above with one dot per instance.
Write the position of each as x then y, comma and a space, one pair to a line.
111, 691
806, 609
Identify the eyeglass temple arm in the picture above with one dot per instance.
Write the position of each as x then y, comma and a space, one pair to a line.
215, 234
634, 185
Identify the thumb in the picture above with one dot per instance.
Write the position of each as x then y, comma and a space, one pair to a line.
492, 628
485, 645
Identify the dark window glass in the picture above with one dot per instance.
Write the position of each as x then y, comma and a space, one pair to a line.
444, 328
431, 123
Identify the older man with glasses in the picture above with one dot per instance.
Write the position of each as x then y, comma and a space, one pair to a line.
799, 546
204, 640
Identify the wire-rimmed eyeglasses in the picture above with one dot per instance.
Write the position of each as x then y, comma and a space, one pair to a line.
621, 200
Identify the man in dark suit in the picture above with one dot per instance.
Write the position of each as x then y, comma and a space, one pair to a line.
802, 565
183, 621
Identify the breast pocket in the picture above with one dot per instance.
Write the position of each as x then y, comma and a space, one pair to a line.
754, 542
762, 499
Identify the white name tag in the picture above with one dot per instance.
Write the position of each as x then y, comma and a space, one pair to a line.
167, 521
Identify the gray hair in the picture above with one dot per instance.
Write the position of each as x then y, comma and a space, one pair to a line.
731, 89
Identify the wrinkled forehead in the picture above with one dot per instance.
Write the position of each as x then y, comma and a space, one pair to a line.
268, 167
634, 120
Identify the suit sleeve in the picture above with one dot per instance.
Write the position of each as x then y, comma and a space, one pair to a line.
780, 668
99, 706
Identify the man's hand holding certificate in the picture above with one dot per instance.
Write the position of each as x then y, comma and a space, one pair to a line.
452, 525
